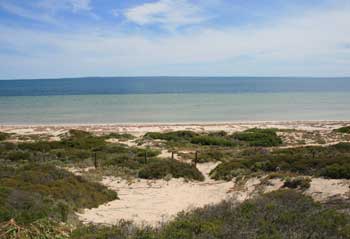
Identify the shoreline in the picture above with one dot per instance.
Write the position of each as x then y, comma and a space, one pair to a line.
138, 129
147, 124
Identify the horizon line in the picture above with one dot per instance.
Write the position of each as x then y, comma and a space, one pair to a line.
169, 76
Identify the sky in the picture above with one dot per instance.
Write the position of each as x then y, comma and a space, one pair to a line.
78, 38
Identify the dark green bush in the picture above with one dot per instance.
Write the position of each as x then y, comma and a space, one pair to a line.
259, 137
345, 130
159, 168
18, 155
4, 136
122, 230
36, 191
172, 136
298, 182
212, 140
313, 161
336, 171
119, 136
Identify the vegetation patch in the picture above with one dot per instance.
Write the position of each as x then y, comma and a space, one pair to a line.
122, 137
331, 161
259, 137
160, 168
297, 183
280, 214
212, 140
176, 136
36, 191
4, 136
345, 130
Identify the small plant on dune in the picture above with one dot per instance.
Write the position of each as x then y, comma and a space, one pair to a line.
172, 136
212, 140
259, 137
297, 183
160, 168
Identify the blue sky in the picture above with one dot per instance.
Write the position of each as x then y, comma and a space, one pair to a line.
73, 38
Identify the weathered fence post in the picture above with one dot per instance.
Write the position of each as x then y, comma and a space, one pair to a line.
95, 160
196, 158
146, 157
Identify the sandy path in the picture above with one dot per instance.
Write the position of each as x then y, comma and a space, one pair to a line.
152, 202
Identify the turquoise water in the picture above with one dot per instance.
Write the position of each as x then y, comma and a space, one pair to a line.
165, 108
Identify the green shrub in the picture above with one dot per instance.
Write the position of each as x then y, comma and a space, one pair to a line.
172, 136
212, 140
345, 130
18, 155
336, 171
331, 161
259, 137
343, 147
37, 191
298, 182
160, 168
122, 230
40, 229
229, 170
119, 136
4, 136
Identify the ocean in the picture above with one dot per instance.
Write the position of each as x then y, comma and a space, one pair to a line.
98, 100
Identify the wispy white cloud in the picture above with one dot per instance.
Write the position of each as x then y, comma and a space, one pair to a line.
168, 13
72, 5
45, 10
304, 44
26, 13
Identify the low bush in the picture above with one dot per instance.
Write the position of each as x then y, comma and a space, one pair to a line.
172, 136
331, 161
18, 155
336, 171
212, 140
297, 183
4, 136
259, 137
40, 229
345, 130
37, 191
119, 136
160, 168
122, 230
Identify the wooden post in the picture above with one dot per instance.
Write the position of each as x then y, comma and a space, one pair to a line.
95, 160
146, 159
172, 155
196, 158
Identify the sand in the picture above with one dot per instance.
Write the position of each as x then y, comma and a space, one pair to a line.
155, 201
140, 129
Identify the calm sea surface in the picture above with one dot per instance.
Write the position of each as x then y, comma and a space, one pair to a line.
169, 99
